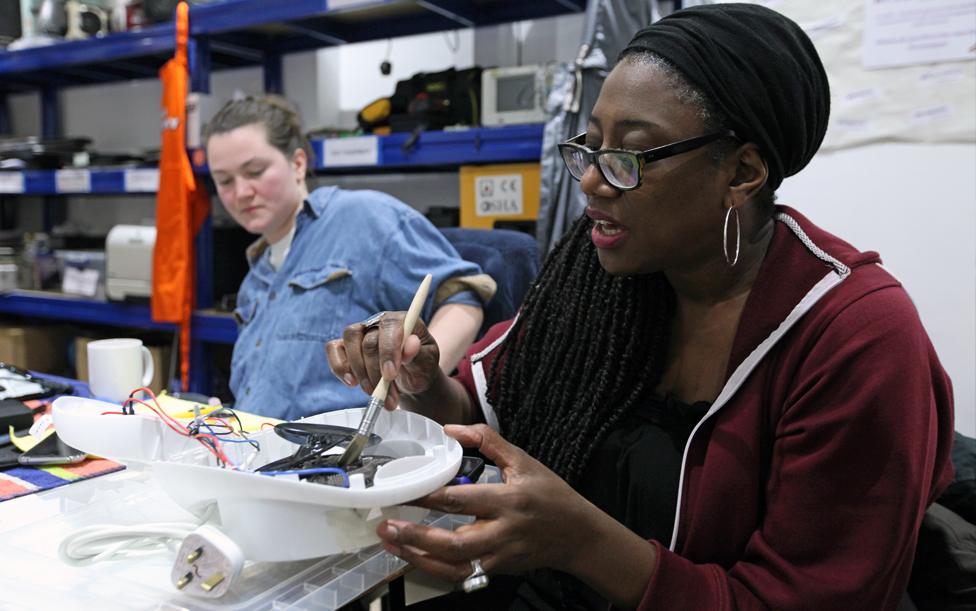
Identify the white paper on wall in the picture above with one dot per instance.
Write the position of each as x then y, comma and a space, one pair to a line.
928, 102
910, 32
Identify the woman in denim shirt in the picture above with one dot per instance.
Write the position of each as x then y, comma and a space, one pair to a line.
324, 260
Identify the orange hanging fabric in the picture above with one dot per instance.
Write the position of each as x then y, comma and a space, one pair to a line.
181, 203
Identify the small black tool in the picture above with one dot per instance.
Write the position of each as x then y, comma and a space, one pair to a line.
324, 435
313, 440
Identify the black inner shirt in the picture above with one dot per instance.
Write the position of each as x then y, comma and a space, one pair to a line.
633, 476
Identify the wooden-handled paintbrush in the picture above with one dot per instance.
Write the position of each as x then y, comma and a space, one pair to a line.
358, 442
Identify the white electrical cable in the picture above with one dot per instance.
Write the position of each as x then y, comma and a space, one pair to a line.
93, 544
100, 542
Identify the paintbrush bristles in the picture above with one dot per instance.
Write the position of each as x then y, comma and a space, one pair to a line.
353, 451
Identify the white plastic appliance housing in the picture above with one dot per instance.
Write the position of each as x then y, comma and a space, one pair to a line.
128, 261
274, 518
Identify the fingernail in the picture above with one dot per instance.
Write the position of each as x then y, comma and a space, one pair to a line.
351, 381
392, 532
389, 370
393, 549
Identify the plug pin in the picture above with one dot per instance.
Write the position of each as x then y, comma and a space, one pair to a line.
192, 556
184, 580
212, 582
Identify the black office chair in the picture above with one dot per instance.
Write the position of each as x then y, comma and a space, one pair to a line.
511, 258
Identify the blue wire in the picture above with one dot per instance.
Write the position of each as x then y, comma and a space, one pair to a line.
313, 471
213, 432
224, 439
245, 440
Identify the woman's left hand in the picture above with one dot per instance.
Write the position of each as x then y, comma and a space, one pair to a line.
533, 519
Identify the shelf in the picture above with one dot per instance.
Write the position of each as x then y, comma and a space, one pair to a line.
476, 145
119, 56
208, 325
236, 33
79, 181
434, 148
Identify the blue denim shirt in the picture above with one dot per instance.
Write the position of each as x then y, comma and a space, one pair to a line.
354, 253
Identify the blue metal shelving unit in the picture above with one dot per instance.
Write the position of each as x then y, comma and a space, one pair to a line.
79, 181
231, 34
236, 33
446, 148
477, 145
207, 326
120, 56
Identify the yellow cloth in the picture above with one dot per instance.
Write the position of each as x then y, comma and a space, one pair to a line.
182, 409
28, 441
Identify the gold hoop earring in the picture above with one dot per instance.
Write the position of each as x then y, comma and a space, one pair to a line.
725, 237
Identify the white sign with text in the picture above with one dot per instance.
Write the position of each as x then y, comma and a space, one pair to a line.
499, 195
80, 281
357, 151
141, 180
906, 32
72, 181
11, 182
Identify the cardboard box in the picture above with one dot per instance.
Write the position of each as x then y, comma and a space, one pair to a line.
39, 348
160, 357
502, 192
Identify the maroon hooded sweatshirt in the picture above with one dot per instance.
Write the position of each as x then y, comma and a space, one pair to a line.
805, 484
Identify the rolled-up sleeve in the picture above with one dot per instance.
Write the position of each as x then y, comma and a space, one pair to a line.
417, 249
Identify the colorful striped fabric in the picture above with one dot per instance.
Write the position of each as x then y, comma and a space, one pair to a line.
18, 481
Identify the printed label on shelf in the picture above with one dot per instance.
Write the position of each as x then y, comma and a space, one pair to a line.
334, 4
361, 150
72, 181
141, 180
80, 281
498, 195
11, 182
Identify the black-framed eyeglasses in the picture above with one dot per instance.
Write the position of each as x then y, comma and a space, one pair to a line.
624, 169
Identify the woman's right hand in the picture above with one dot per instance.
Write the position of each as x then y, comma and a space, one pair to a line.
364, 355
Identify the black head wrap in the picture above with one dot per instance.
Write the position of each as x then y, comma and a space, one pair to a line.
758, 67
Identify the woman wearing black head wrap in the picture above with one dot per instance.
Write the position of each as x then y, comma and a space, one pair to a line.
706, 401
759, 70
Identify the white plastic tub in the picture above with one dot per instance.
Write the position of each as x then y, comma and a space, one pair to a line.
273, 518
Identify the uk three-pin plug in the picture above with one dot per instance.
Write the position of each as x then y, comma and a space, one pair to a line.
207, 563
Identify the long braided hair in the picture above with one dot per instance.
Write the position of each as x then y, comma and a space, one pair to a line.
586, 347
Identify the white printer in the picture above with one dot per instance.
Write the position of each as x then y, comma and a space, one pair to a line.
129, 261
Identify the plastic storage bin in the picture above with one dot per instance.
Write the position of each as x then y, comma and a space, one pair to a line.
35, 578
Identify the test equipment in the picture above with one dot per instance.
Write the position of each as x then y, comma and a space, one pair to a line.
514, 94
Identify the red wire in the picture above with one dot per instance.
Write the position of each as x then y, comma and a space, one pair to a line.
177, 426
225, 423
166, 418
216, 447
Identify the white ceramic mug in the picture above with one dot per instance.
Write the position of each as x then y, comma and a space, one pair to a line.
118, 366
